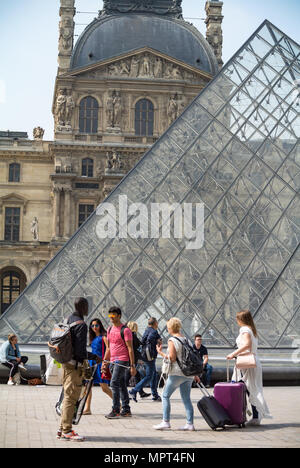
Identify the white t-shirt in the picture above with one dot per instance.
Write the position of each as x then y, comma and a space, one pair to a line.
175, 369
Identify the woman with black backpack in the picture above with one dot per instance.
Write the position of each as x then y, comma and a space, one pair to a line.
176, 378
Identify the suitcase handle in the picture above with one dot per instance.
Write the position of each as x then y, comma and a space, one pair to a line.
203, 389
227, 366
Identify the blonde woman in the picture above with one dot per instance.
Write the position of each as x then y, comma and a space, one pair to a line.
176, 379
247, 342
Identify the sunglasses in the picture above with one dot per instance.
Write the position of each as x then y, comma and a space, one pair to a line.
96, 325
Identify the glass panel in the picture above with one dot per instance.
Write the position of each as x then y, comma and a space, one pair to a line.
234, 150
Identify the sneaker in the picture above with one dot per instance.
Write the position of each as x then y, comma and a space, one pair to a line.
187, 427
132, 393
157, 398
21, 366
58, 434
126, 414
72, 436
144, 394
10, 382
253, 422
113, 415
163, 426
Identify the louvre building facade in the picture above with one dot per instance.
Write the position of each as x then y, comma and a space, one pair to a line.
234, 150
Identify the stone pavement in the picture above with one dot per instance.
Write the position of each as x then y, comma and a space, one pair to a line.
28, 419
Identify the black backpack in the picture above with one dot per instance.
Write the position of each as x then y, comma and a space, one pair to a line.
191, 363
147, 351
60, 343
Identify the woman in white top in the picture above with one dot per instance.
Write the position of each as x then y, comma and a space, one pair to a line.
247, 342
176, 379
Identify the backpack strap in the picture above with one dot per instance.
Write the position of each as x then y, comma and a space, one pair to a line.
121, 332
78, 322
178, 361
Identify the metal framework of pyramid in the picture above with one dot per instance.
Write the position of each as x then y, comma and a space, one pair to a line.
236, 149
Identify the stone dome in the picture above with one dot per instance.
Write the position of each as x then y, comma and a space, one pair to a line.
111, 36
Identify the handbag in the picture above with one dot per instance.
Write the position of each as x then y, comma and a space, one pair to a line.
166, 366
245, 361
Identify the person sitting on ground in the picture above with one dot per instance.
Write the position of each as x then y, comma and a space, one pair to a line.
10, 357
136, 343
207, 368
98, 342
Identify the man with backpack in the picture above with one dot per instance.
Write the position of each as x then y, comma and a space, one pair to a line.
150, 339
120, 352
73, 369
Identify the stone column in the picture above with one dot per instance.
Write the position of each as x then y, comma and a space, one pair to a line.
56, 209
66, 34
213, 23
67, 212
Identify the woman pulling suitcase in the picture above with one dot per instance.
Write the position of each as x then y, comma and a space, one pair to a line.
247, 342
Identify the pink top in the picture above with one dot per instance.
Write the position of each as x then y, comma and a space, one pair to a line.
117, 346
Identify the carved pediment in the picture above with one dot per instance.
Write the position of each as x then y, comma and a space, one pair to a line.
144, 64
15, 199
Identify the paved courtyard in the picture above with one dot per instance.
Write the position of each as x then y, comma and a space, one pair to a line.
28, 419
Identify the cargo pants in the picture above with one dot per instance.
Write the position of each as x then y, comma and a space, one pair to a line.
72, 384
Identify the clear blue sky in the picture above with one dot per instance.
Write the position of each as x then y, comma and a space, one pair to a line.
29, 37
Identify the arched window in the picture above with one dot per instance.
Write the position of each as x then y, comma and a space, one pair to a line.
14, 172
144, 118
87, 167
12, 283
88, 115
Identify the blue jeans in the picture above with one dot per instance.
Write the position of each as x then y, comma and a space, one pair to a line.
185, 385
151, 376
119, 387
207, 374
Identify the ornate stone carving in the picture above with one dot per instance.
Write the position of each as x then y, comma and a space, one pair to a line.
35, 229
107, 189
60, 109
159, 7
69, 109
66, 34
114, 163
63, 110
114, 110
144, 65
173, 108
38, 133
213, 23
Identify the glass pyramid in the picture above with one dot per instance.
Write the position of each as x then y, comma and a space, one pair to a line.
236, 149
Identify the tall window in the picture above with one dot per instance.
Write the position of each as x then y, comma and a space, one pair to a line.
84, 212
87, 167
12, 224
88, 115
14, 172
144, 118
10, 288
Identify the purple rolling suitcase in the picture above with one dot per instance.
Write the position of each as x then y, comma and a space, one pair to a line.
233, 398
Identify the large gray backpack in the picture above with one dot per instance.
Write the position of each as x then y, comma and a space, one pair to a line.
60, 343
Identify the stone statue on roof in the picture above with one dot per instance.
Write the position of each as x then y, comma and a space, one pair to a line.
160, 7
